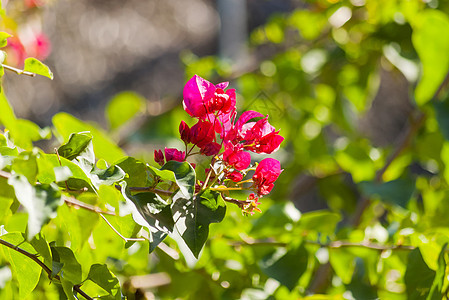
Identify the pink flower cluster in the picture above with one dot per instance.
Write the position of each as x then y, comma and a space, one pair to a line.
218, 133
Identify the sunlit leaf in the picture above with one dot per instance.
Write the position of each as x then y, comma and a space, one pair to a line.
33, 65
40, 201
26, 271
431, 40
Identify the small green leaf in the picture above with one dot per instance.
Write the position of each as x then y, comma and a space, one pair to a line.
194, 216
286, 266
136, 170
41, 246
77, 144
4, 39
123, 107
26, 271
418, 277
71, 269
106, 177
33, 65
103, 146
41, 202
101, 275
185, 176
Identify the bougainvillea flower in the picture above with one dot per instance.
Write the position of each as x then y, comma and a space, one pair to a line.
202, 133
174, 154
267, 172
202, 99
210, 149
159, 157
260, 136
184, 131
235, 157
251, 207
235, 176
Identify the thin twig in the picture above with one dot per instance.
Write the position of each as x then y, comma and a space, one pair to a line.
76, 202
33, 257
119, 234
333, 245
18, 71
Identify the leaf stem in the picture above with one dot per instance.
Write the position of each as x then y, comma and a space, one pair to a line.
119, 234
18, 71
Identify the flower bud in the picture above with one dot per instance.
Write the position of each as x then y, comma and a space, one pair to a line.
211, 149
159, 157
184, 131
174, 154
235, 176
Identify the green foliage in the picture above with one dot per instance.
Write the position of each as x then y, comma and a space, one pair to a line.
92, 218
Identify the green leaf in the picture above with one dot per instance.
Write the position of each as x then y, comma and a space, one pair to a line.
106, 177
436, 291
49, 164
7, 117
26, 165
103, 146
78, 143
33, 65
41, 246
26, 270
123, 107
418, 277
430, 38
151, 211
67, 286
62, 173
41, 202
104, 278
4, 39
136, 170
286, 266
396, 192
184, 176
71, 269
194, 215
442, 116
322, 221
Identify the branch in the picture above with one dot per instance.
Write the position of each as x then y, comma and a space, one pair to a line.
18, 71
333, 245
77, 203
33, 257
